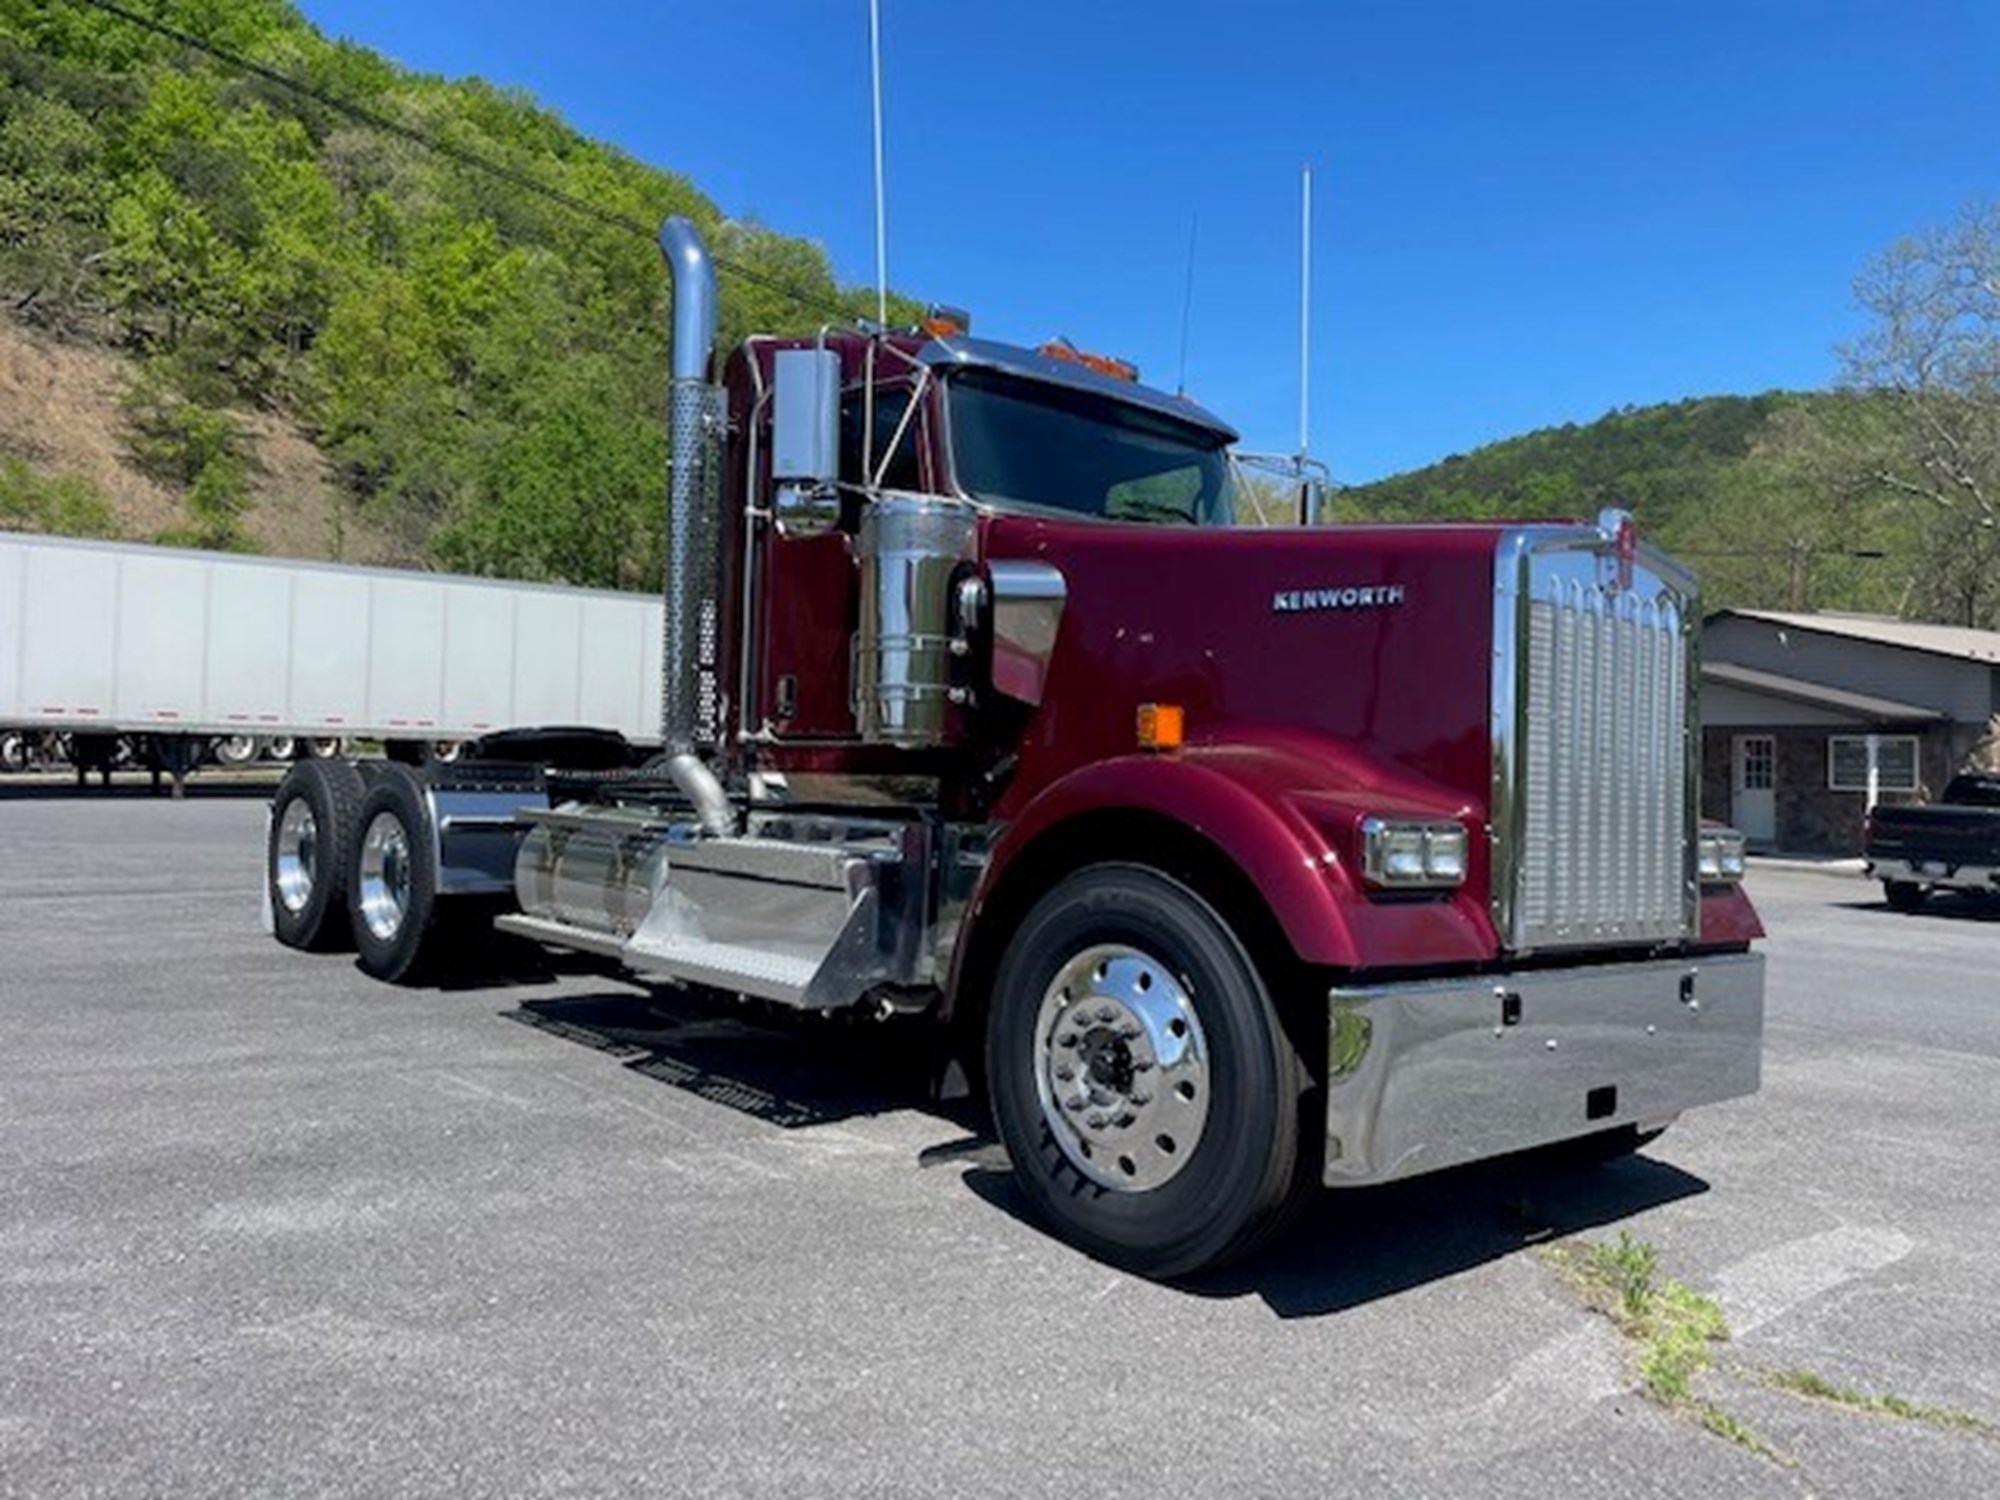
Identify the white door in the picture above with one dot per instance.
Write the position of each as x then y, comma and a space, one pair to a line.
1753, 801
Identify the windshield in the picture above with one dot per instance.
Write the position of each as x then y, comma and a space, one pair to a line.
1019, 442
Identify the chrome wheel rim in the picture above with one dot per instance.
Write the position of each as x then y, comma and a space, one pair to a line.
1122, 1068
235, 749
296, 867
383, 880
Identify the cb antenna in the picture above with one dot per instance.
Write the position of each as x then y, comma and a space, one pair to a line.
1305, 305
1187, 305
881, 232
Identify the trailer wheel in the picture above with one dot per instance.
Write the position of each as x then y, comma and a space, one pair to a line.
313, 820
14, 754
1904, 895
392, 893
1141, 1080
235, 749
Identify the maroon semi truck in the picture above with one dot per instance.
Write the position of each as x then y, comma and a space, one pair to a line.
1238, 861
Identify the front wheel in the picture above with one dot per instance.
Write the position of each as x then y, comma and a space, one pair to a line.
1904, 895
1141, 1080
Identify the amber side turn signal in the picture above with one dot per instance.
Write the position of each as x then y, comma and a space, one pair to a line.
1161, 726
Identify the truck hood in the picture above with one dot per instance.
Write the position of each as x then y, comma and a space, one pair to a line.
1379, 638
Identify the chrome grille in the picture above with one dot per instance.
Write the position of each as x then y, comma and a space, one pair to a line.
1594, 802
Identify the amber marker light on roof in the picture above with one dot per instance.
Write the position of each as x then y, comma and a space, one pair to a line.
946, 322
1103, 364
1161, 726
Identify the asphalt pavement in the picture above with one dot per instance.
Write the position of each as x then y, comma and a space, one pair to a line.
269, 1228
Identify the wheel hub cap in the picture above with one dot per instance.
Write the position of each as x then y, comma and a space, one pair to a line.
1122, 1068
384, 875
298, 855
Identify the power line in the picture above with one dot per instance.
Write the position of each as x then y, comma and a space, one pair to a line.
464, 156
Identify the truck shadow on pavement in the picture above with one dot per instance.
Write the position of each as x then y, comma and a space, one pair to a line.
790, 1072
1940, 907
1355, 1246
1347, 1249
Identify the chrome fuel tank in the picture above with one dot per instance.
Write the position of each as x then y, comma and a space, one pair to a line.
599, 871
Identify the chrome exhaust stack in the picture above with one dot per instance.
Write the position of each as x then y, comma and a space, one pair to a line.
690, 687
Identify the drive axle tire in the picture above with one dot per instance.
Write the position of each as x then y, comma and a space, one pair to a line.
1141, 1080
313, 820
1904, 895
392, 894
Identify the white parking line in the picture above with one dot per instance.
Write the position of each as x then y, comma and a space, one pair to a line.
1772, 1282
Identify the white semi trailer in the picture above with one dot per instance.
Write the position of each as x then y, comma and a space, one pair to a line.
180, 649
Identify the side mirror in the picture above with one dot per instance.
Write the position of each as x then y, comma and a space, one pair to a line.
805, 450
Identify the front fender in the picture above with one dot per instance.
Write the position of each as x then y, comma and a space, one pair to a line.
1283, 811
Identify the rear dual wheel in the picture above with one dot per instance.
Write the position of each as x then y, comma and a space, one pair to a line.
313, 820
393, 893
1142, 1082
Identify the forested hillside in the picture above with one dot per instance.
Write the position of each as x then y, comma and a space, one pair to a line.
481, 364
262, 288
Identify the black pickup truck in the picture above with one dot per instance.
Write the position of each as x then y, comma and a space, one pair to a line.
1953, 844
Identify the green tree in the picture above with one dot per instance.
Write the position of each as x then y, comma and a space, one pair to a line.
1932, 352
571, 494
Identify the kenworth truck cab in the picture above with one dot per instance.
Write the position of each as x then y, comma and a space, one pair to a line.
1236, 861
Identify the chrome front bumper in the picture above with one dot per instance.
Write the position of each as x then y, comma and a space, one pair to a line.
1936, 873
1429, 1075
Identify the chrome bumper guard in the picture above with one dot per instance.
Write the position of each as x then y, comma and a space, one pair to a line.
1428, 1075
1936, 873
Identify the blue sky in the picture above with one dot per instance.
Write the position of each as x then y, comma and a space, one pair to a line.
1527, 212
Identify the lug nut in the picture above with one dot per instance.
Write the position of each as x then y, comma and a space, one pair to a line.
1140, 1101
1073, 1105
1065, 1074
1067, 1039
1106, 1013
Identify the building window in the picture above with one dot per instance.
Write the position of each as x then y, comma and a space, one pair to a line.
1760, 762
1895, 762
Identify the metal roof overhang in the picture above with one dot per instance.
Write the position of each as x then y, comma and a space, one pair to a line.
1819, 695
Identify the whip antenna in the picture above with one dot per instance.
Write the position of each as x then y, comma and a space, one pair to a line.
881, 233
1305, 305
1187, 305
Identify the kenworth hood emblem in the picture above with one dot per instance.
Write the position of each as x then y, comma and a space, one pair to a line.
1366, 596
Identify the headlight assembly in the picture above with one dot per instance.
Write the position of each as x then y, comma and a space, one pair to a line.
1721, 857
1402, 855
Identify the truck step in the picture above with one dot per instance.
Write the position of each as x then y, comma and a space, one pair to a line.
797, 922
805, 975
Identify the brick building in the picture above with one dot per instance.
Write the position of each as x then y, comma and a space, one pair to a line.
1804, 715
